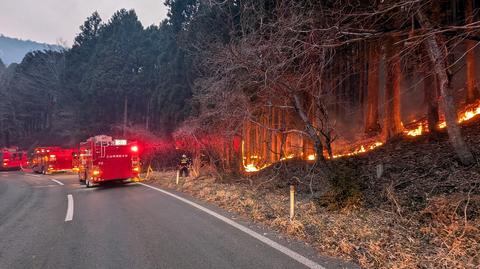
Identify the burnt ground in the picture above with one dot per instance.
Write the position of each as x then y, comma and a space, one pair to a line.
422, 212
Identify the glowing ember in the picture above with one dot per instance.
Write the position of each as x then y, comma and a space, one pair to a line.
251, 168
290, 156
442, 125
311, 157
419, 130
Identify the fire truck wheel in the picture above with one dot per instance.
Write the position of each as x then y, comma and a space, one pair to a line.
87, 183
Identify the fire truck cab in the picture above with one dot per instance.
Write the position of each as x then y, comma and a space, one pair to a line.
103, 159
12, 158
47, 160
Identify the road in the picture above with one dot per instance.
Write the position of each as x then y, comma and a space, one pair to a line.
54, 222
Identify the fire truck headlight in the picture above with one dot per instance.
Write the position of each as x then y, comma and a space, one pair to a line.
134, 148
136, 169
96, 172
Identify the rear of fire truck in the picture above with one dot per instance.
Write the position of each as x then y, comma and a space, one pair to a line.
12, 159
103, 159
48, 160
60, 160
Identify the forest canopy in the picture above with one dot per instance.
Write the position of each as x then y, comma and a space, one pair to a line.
288, 78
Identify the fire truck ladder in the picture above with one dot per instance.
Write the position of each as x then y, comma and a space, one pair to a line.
103, 149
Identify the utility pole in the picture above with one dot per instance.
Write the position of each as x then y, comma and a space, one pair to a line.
125, 113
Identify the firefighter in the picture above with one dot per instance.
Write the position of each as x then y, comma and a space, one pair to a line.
184, 166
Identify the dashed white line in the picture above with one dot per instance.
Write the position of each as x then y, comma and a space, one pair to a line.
292, 254
56, 181
69, 215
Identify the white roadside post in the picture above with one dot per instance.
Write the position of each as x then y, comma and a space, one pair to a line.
292, 202
178, 176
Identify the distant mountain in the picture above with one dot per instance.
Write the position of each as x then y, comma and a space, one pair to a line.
13, 50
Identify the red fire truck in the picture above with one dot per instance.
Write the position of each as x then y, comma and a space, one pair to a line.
12, 159
47, 160
103, 159
76, 161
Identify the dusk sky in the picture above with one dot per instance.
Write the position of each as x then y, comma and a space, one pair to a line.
52, 20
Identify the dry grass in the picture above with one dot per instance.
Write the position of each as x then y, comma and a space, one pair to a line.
372, 237
423, 213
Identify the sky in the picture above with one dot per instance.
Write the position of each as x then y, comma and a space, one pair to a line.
55, 21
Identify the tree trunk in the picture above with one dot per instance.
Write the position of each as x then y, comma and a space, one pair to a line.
268, 135
7, 138
125, 114
372, 127
438, 53
312, 133
279, 134
147, 116
431, 101
472, 93
274, 135
393, 122
246, 142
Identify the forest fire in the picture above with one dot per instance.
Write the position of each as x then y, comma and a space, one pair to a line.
359, 150
414, 129
469, 113
252, 167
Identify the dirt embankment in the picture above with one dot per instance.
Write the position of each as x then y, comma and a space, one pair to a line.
423, 212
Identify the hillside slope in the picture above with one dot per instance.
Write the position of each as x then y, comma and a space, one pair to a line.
13, 50
422, 212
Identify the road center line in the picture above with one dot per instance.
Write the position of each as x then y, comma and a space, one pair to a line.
292, 254
56, 181
69, 215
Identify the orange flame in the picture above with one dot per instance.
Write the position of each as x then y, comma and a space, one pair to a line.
419, 128
469, 113
361, 149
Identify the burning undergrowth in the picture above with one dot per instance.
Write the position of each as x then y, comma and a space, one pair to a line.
407, 204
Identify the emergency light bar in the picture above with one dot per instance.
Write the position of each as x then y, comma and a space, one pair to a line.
120, 142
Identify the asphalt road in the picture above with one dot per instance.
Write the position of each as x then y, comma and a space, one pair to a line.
130, 226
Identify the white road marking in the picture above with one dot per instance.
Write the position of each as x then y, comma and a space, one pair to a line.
56, 181
69, 215
45, 186
292, 254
